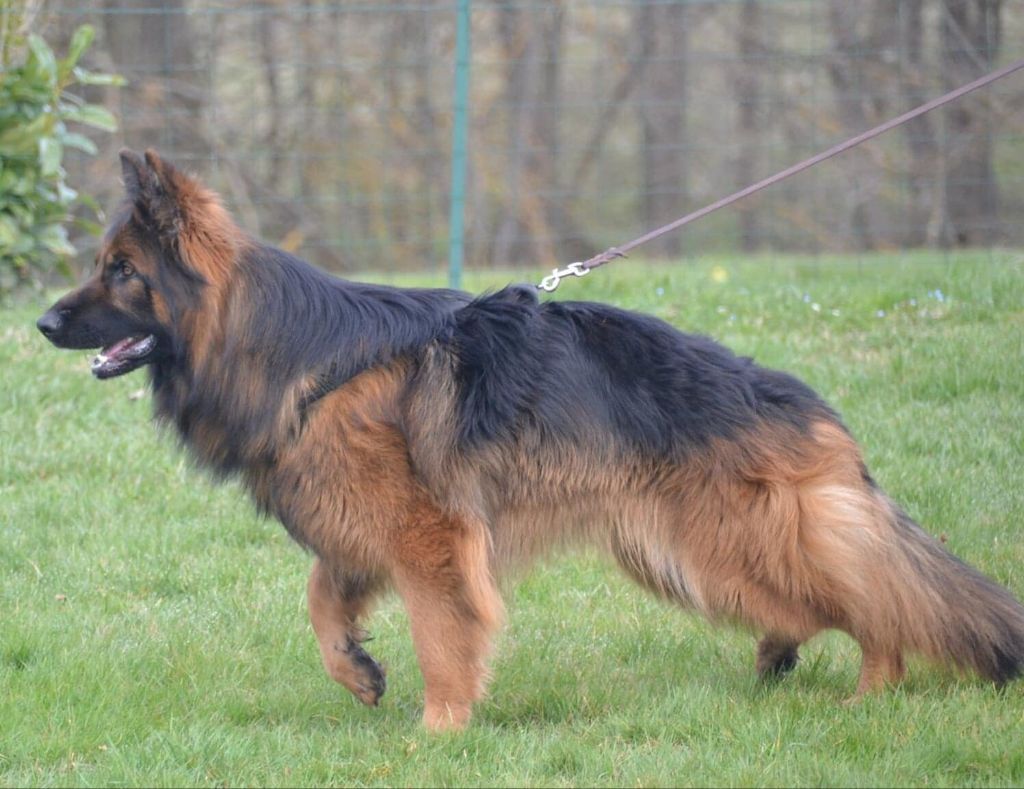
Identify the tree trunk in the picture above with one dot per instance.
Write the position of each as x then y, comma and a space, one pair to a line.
637, 61
970, 33
162, 105
920, 132
535, 224
663, 122
267, 24
514, 46
857, 74
748, 100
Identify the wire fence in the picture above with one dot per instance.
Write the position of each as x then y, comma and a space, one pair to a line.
327, 126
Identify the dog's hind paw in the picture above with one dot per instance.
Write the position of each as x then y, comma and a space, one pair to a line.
776, 658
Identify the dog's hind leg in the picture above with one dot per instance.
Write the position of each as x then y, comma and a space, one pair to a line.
787, 625
776, 656
879, 667
441, 571
336, 600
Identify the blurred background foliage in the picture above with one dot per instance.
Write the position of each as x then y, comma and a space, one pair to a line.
39, 116
326, 124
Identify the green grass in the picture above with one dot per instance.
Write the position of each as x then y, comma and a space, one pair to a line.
154, 629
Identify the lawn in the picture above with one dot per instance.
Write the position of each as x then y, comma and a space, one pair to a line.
154, 629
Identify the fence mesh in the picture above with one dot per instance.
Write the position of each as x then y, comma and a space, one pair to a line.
327, 125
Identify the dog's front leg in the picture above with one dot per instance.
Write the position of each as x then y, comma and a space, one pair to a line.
442, 573
337, 599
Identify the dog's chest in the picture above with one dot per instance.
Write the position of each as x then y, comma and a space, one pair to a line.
341, 486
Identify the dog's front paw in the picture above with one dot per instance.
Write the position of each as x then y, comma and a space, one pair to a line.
350, 665
369, 682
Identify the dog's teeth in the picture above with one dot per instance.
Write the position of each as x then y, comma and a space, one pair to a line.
99, 360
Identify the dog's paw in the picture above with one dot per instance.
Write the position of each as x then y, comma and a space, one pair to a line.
775, 659
369, 682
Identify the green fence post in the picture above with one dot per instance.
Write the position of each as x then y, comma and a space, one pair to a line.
459, 135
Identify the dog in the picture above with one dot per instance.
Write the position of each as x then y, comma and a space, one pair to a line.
428, 441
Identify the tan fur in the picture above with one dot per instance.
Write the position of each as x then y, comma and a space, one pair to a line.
349, 482
777, 528
777, 531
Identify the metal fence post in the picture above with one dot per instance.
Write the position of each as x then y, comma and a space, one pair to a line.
459, 136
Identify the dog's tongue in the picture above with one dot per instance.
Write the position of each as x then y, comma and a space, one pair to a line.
112, 351
122, 350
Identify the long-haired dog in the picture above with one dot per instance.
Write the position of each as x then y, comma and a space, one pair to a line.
427, 441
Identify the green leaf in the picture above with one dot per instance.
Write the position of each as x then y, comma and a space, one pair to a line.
91, 115
90, 227
64, 268
80, 42
85, 77
8, 232
24, 244
42, 58
90, 202
79, 142
50, 154
65, 194
21, 140
47, 194
55, 238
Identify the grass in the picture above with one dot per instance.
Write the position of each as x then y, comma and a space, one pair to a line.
154, 629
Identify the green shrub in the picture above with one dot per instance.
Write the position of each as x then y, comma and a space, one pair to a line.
35, 199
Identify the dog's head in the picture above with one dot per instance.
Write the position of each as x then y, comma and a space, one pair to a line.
169, 242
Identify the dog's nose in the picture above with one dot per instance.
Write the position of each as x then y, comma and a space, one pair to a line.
50, 323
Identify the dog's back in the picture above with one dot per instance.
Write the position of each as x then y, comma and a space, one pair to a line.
585, 371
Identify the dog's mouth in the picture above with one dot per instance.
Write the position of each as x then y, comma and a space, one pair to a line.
123, 356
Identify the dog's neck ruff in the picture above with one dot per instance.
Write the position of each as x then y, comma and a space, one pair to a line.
276, 340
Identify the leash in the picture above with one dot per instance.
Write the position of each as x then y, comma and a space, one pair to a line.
582, 268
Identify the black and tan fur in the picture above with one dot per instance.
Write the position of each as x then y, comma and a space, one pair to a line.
427, 442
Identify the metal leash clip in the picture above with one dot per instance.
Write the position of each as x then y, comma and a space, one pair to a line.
550, 282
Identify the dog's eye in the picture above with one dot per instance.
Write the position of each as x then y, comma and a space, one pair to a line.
124, 269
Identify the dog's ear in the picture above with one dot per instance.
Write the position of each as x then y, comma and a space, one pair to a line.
152, 186
186, 216
133, 173
166, 174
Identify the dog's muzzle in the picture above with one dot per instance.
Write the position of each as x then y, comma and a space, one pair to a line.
51, 323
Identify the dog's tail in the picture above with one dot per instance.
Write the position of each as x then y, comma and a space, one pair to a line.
887, 582
950, 612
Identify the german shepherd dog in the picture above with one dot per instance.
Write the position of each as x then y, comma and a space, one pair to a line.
429, 441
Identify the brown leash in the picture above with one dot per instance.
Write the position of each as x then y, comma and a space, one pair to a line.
581, 268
